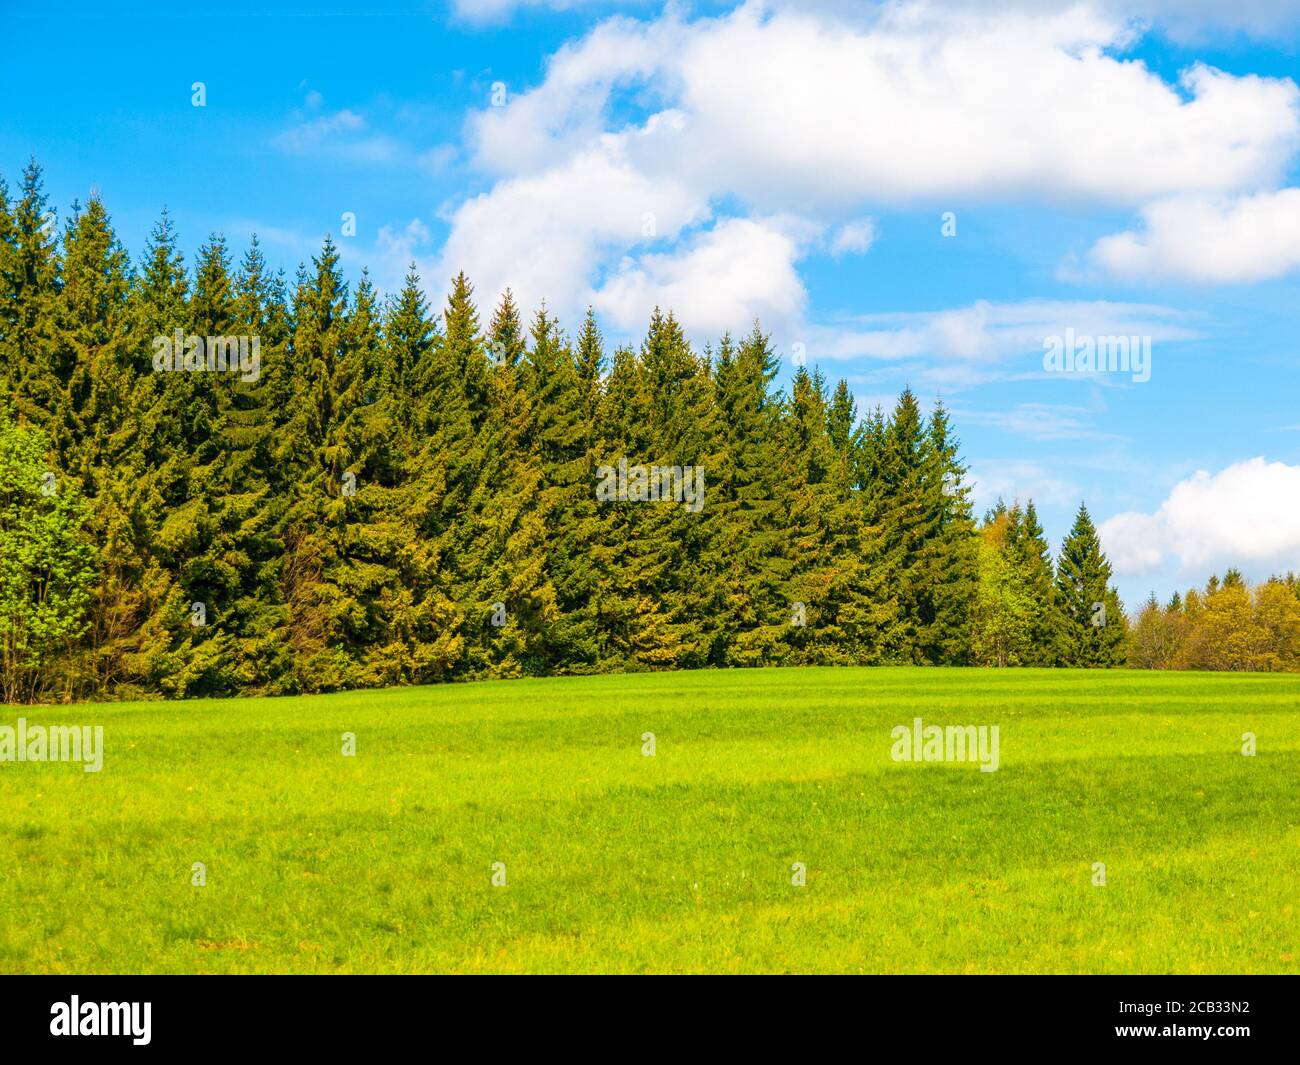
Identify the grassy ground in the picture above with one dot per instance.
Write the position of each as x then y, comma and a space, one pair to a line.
682, 861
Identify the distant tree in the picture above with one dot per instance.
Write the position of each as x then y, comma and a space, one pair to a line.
1157, 636
1093, 630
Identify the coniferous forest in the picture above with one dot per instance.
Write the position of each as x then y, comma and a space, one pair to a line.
217, 480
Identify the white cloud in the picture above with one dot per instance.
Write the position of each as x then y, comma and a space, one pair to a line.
771, 109
1247, 514
565, 114
543, 234
721, 280
791, 105
1249, 238
853, 238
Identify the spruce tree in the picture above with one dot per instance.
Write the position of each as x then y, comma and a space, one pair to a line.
38, 371
1093, 628
746, 491
632, 554
947, 572
561, 434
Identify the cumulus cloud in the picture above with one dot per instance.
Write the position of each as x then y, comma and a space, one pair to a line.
832, 111
542, 234
1249, 238
721, 280
777, 106
1248, 513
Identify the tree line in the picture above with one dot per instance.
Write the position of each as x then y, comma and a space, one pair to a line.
387, 495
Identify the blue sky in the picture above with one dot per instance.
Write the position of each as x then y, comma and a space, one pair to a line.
1111, 170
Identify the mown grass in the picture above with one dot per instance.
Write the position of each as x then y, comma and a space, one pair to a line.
615, 861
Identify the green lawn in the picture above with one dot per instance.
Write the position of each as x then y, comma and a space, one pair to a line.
383, 862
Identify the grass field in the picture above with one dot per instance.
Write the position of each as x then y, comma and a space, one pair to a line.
618, 861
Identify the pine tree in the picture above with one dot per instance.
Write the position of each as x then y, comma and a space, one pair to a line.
744, 496
1093, 630
140, 608
38, 372
509, 510
848, 612
905, 510
562, 435
946, 574
449, 503
683, 434
322, 619
631, 554
409, 337
8, 302
424, 641
251, 481
101, 438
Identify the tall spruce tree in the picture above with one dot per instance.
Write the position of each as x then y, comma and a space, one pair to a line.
1093, 628
947, 572
744, 494
37, 370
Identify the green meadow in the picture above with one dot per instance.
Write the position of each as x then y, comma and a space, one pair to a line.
685, 860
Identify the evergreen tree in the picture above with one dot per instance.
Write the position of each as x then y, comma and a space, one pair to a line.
37, 370
562, 437
631, 555
683, 435
946, 573
834, 582
744, 494
1093, 630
